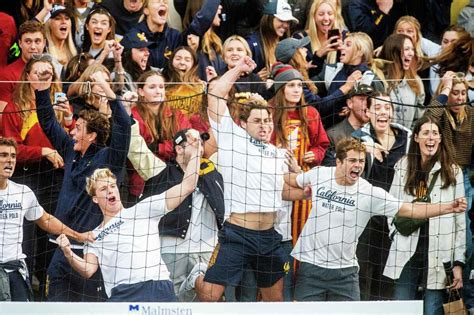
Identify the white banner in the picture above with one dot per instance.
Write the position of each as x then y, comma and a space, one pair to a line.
285, 308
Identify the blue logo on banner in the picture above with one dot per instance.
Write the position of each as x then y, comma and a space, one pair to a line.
135, 307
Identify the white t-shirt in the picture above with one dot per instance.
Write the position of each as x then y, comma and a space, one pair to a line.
283, 222
338, 217
16, 203
128, 246
252, 170
201, 235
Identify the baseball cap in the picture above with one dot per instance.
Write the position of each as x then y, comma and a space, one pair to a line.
279, 9
135, 40
58, 9
180, 136
287, 47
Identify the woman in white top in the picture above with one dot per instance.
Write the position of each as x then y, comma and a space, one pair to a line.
404, 85
417, 260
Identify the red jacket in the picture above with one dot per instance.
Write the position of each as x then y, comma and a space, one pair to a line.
7, 37
10, 73
165, 149
318, 139
29, 135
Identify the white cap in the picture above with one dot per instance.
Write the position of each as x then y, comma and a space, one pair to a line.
280, 9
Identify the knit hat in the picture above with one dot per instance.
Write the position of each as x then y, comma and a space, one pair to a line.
282, 73
286, 48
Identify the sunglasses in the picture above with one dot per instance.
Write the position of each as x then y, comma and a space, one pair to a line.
42, 57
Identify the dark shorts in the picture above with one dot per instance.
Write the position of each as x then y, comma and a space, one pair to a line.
148, 291
239, 247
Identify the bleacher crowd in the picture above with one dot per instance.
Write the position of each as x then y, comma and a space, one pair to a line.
208, 150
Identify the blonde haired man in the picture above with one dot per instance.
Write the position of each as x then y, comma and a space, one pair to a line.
127, 242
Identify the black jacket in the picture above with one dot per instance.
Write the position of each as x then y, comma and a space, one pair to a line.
175, 223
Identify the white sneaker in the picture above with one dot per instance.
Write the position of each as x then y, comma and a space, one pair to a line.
188, 284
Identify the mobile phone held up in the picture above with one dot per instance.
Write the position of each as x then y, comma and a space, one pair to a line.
332, 33
58, 95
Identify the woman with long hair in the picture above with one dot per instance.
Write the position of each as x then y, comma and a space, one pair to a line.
453, 35
325, 15
184, 88
235, 48
297, 127
136, 52
449, 107
98, 28
209, 46
59, 37
19, 116
158, 122
417, 260
409, 26
337, 80
39, 165
426, 49
274, 25
456, 56
404, 85
86, 95
75, 67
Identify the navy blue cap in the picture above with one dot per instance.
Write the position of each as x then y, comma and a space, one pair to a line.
135, 40
58, 9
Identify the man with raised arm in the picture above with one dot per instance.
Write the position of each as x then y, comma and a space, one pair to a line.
83, 152
252, 169
127, 242
18, 202
343, 203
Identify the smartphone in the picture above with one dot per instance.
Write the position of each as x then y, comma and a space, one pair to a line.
367, 78
58, 95
333, 32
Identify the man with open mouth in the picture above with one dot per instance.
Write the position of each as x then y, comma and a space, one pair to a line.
83, 150
18, 202
343, 203
127, 244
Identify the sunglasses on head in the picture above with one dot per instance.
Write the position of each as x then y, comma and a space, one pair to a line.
42, 57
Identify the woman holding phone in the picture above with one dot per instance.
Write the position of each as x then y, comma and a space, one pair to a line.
325, 28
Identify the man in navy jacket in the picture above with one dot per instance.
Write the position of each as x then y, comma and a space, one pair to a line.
82, 154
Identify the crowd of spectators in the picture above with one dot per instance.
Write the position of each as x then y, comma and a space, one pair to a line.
257, 91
